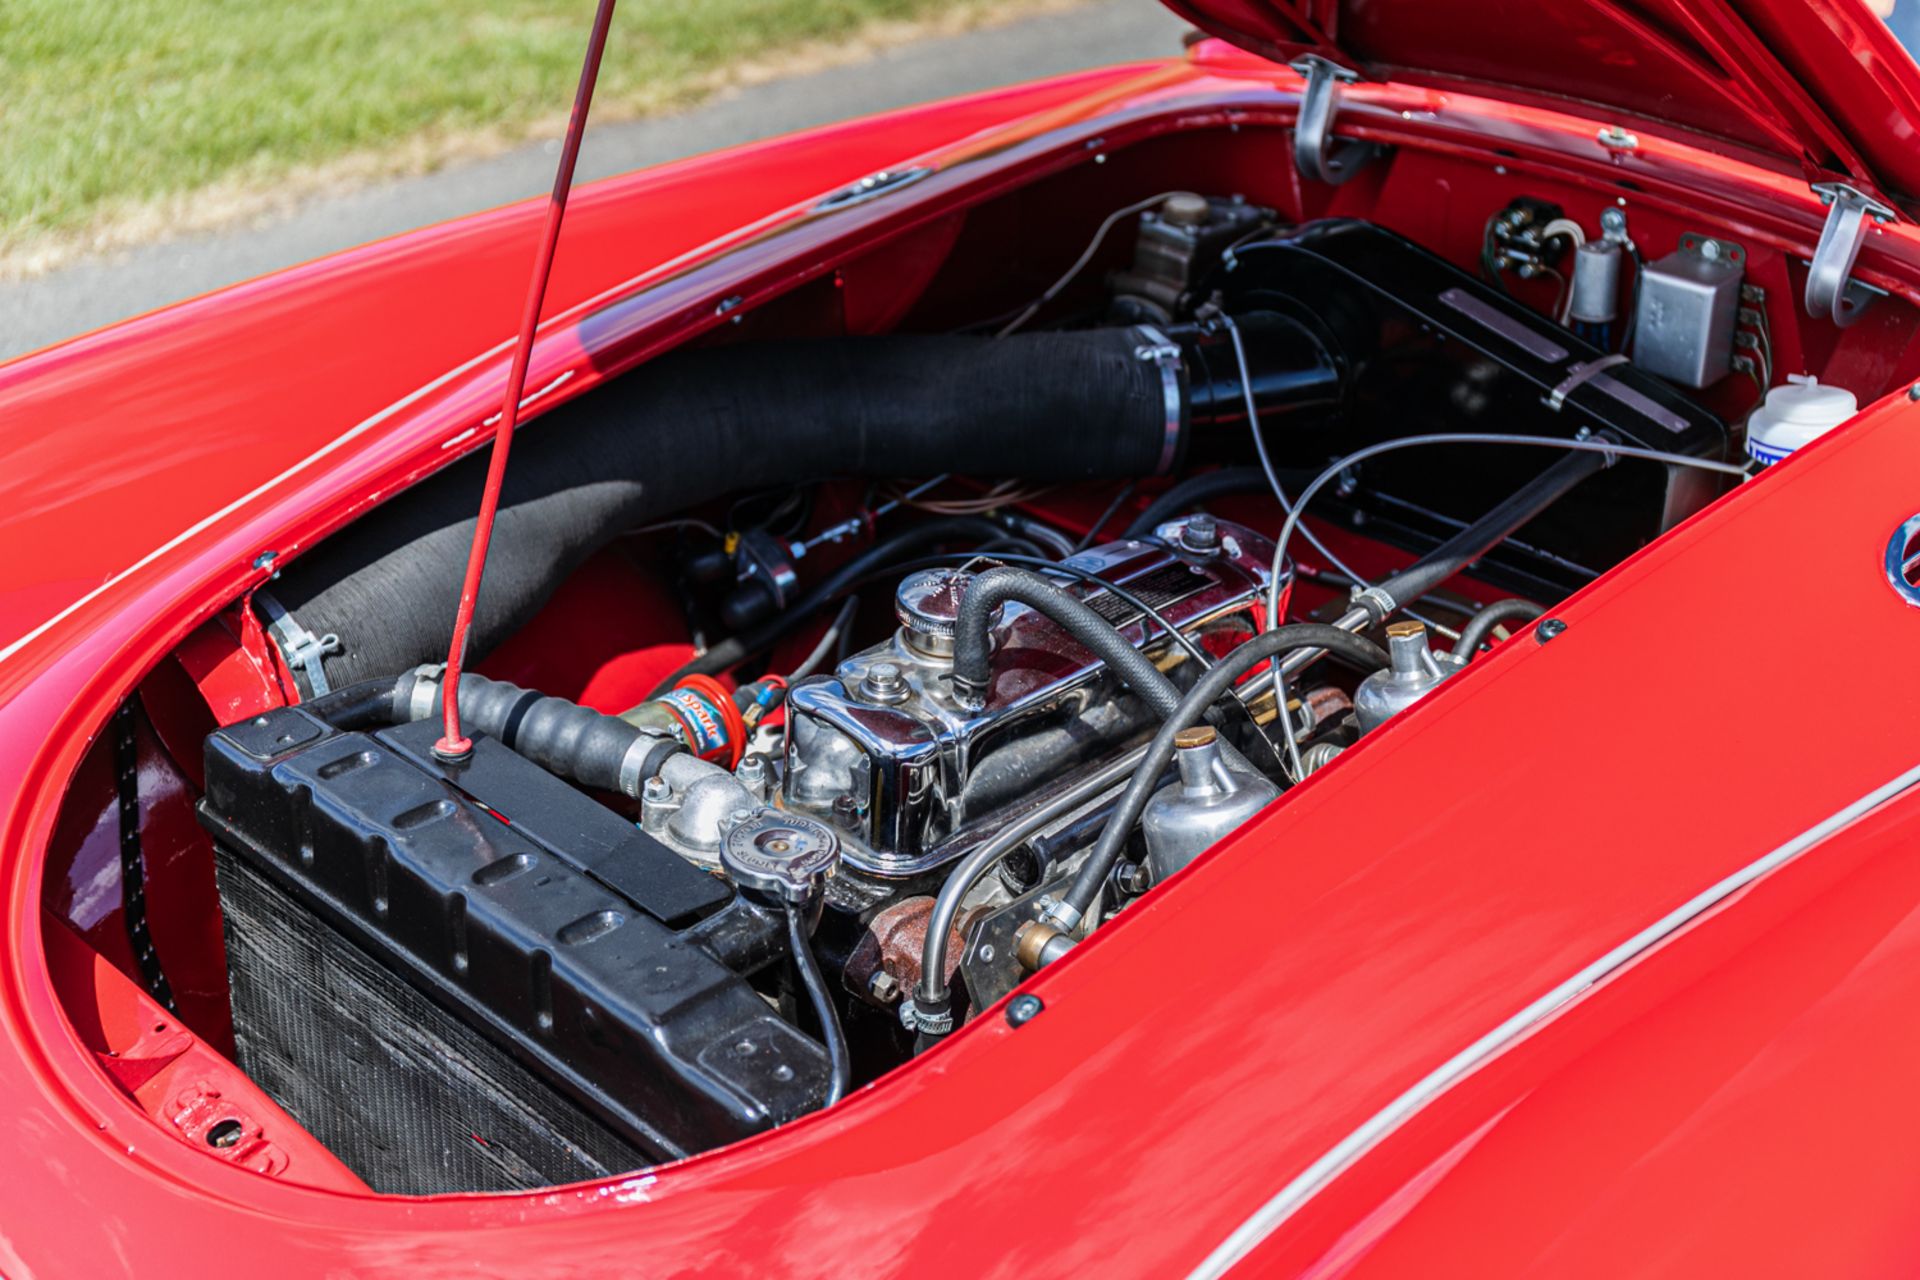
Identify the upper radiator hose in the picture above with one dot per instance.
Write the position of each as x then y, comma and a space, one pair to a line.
576, 742
692, 426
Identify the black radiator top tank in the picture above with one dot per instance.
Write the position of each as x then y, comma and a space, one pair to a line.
495, 945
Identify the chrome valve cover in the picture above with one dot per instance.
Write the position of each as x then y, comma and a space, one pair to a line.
881, 748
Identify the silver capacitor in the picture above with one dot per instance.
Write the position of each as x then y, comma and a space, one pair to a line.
1596, 283
1187, 817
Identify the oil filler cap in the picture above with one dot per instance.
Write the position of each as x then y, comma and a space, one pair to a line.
928, 605
782, 854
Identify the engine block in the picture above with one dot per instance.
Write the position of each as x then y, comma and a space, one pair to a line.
884, 750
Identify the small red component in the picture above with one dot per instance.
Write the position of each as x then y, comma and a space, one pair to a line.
700, 712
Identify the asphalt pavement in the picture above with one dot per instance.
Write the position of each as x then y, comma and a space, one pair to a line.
91, 293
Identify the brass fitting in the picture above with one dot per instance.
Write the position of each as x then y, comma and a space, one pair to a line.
1037, 944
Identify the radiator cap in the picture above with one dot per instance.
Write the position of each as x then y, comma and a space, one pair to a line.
779, 853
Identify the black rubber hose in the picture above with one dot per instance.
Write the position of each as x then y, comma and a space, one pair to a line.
369, 704
564, 737
898, 546
576, 742
698, 424
1463, 548
1193, 491
743, 935
1158, 618
1119, 592
1357, 650
1481, 625
838, 1058
973, 636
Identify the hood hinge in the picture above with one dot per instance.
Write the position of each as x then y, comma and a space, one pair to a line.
1832, 293
1315, 152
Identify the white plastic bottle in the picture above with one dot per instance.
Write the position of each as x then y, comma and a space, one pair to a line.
1795, 414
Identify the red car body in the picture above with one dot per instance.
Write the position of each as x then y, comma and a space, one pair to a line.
1254, 1071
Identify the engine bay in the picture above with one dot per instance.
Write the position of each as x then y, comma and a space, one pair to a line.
835, 677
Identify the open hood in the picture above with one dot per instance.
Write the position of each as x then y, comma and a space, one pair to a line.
1820, 83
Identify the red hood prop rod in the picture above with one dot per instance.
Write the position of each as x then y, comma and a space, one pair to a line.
453, 744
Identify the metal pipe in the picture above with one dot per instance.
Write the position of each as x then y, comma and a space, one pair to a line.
1326, 477
454, 745
1490, 530
932, 995
1374, 604
933, 990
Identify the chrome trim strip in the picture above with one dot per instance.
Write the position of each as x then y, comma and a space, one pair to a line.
1270, 1216
1643, 405
1488, 317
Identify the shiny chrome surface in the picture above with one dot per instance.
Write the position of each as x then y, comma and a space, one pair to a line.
1203, 806
1414, 674
929, 777
1902, 559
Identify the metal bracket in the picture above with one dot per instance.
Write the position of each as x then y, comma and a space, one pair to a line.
1831, 290
1578, 375
1315, 152
299, 646
1613, 227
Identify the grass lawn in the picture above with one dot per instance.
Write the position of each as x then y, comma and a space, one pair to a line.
105, 106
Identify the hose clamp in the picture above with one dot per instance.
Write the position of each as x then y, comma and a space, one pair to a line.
929, 1021
1607, 459
1377, 602
1159, 350
633, 764
426, 683
1060, 914
970, 696
299, 646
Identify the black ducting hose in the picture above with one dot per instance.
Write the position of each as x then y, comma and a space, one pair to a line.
1474, 541
1193, 491
973, 636
576, 742
1481, 625
1357, 650
839, 1060
697, 424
